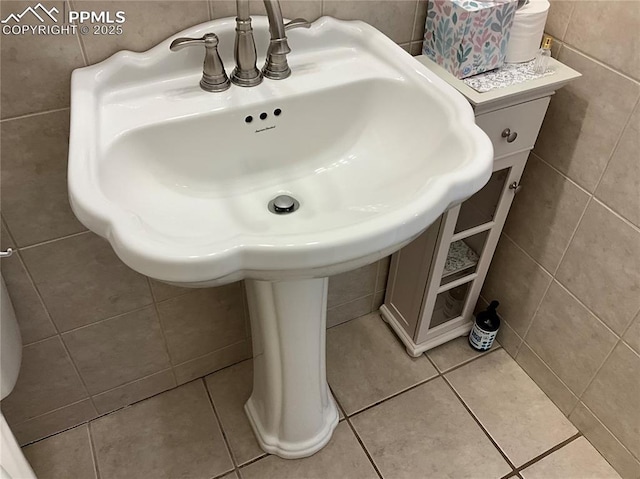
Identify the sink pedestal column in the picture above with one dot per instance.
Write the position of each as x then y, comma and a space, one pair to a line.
291, 409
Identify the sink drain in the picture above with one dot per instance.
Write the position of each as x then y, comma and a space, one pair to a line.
283, 204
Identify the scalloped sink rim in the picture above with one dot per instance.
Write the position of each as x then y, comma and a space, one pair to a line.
439, 145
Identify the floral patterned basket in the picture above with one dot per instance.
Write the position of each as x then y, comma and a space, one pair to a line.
468, 37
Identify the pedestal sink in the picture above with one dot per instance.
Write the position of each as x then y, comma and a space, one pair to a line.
371, 145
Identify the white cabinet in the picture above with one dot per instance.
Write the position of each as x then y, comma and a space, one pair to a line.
434, 282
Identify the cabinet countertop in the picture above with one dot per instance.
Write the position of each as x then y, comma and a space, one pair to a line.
500, 97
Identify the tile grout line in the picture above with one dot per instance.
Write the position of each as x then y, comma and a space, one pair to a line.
593, 377
566, 27
132, 382
29, 443
415, 19
616, 214
83, 50
211, 352
84, 326
554, 279
481, 426
38, 113
526, 464
546, 290
363, 447
357, 436
94, 454
58, 334
253, 461
99, 416
549, 451
375, 286
611, 68
53, 240
219, 422
421, 383
162, 332
618, 442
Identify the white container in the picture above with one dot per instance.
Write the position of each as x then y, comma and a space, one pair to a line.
527, 31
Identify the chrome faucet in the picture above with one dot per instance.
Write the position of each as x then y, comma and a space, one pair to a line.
246, 74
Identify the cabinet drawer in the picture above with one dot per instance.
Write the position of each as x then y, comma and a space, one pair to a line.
514, 128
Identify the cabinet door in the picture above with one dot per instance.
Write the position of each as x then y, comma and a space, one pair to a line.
408, 275
466, 252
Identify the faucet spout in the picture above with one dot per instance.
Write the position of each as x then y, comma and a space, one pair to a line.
276, 66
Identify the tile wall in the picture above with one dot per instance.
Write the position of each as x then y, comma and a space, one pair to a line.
98, 336
567, 268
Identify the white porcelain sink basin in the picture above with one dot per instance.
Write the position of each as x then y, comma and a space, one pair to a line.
372, 145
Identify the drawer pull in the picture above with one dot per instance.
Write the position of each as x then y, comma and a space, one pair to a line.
509, 135
515, 186
6, 254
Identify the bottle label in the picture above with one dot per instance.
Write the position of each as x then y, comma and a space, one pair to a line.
481, 339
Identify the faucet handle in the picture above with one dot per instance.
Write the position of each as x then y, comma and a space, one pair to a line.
297, 23
214, 78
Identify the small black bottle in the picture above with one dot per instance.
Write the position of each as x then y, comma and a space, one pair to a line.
485, 328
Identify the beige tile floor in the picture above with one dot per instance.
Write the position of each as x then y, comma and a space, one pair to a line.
452, 413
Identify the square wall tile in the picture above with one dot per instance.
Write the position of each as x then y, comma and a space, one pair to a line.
352, 285
546, 379
621, 181
35, 200
393, 18
348, 311
558, 17
32, 317
229, 390
426, 432
366, 363
36, 69
576, 459
140, 34
203, 321
608, 32
119, 350
517, 282
47, 381
519, 417
81, 280
171, 435
606, 443
341, 458
67, 454
602, 267
585, 119
568, 338
53, 422
613, 396
545, 213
